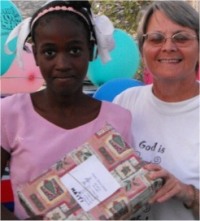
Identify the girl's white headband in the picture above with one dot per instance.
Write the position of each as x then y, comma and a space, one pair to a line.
102, 25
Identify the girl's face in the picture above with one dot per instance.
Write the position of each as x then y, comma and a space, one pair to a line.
62, 53
170, 60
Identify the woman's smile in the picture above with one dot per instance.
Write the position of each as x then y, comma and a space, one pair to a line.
170, 60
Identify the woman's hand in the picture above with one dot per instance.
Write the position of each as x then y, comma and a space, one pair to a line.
172, 187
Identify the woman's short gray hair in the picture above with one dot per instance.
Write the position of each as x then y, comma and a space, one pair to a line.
180, 12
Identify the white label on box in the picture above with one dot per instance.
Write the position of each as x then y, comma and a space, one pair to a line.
90, 183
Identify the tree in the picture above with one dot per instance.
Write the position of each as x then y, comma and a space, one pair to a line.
123, 14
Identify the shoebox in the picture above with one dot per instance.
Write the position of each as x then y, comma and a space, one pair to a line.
103, 179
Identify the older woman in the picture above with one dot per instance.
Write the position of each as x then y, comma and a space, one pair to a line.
166, 113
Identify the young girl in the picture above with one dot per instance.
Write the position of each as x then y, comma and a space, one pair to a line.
39, 128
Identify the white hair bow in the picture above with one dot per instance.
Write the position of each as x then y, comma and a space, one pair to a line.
104, 32
21, 31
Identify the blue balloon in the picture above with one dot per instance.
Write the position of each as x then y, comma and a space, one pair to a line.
112, 88
10, 17
125, 60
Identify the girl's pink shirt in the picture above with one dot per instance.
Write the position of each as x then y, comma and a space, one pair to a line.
35, 144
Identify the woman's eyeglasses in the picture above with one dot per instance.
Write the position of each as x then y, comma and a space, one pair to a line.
181, 39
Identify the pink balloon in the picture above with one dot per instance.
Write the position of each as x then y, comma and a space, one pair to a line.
17, 80
198, 74
147, 76
148, 79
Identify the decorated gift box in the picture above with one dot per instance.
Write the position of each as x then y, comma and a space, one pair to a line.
100, 180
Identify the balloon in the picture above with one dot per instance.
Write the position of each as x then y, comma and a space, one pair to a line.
198, 74
17, 80
112, 88
147, 76
125, 60
10, 17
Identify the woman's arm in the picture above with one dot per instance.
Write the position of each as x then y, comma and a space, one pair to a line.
173, 187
